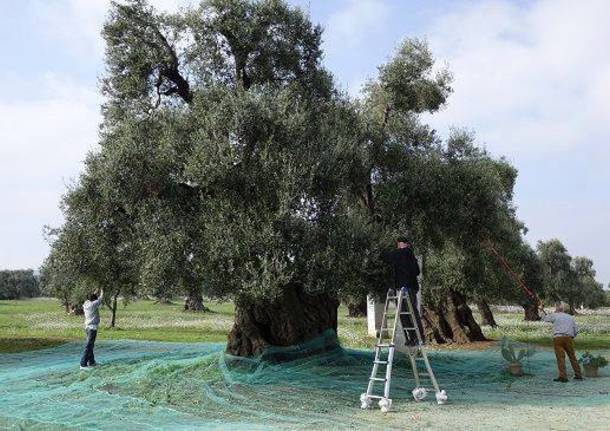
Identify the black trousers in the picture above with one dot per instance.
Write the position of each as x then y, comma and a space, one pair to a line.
88, 358
406, 321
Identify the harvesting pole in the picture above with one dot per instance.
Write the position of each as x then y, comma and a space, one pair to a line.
514, 275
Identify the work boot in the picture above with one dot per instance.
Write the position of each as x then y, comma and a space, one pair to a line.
578, 378
561, 379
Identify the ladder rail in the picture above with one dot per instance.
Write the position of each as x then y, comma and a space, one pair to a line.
414, 322
431, 375
396, 315
415, 372
383, 330
369, 389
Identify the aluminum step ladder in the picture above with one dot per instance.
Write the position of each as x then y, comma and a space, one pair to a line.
395, 307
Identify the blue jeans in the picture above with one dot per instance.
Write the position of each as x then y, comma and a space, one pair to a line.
88, 358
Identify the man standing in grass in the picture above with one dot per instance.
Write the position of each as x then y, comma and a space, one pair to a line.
564, 331
92, 320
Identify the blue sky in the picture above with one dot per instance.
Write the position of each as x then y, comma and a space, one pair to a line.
532, 79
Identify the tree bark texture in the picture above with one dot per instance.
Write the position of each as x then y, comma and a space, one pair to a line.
76, 309
571, 309
194, 302
530, 312
357, 308
295, 318
451, 321
487, 317
113, 310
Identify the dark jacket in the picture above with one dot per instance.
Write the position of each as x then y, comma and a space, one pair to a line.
406, 268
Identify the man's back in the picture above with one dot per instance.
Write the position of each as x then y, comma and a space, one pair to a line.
563, 324
406, 268
92, 314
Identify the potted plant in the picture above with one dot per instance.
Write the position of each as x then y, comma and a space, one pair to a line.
592, 364
515, 367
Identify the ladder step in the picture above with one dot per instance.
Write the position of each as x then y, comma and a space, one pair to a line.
380, 362
385, 345
376, 396
405, 312
377, 379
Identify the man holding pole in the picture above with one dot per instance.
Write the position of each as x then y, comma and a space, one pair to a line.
92, 320
564, 331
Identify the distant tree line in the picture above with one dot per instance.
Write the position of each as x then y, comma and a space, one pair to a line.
567, 279
21, 283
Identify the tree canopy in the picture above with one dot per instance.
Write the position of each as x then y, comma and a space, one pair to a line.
230, 165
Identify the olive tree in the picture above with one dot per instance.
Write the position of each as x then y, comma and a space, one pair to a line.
231, 165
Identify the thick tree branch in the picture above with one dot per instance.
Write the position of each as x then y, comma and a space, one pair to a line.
169, 70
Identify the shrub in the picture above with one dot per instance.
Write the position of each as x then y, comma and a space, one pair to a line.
594, 361
508, 352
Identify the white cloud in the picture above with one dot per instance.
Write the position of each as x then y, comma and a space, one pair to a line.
351, 25
349, 30
528, 80
78, 23
43, 143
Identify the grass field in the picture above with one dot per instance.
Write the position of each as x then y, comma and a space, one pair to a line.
38, 323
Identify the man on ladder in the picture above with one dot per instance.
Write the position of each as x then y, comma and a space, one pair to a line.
406, 270
401, 303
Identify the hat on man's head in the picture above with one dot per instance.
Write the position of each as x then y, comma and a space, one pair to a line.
404, 238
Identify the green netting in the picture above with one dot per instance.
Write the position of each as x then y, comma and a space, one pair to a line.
149, 386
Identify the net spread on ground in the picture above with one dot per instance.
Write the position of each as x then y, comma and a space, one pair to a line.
149, 385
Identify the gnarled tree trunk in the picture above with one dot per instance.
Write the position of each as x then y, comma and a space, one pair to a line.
295, 318
76, 309
357, 308
530, 312
436, 328
194, 302
571, 309
113, 310
451, 320
487, 317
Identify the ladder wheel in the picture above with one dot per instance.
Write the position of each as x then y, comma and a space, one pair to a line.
441, 397
385, 404
419, 393
365, 401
